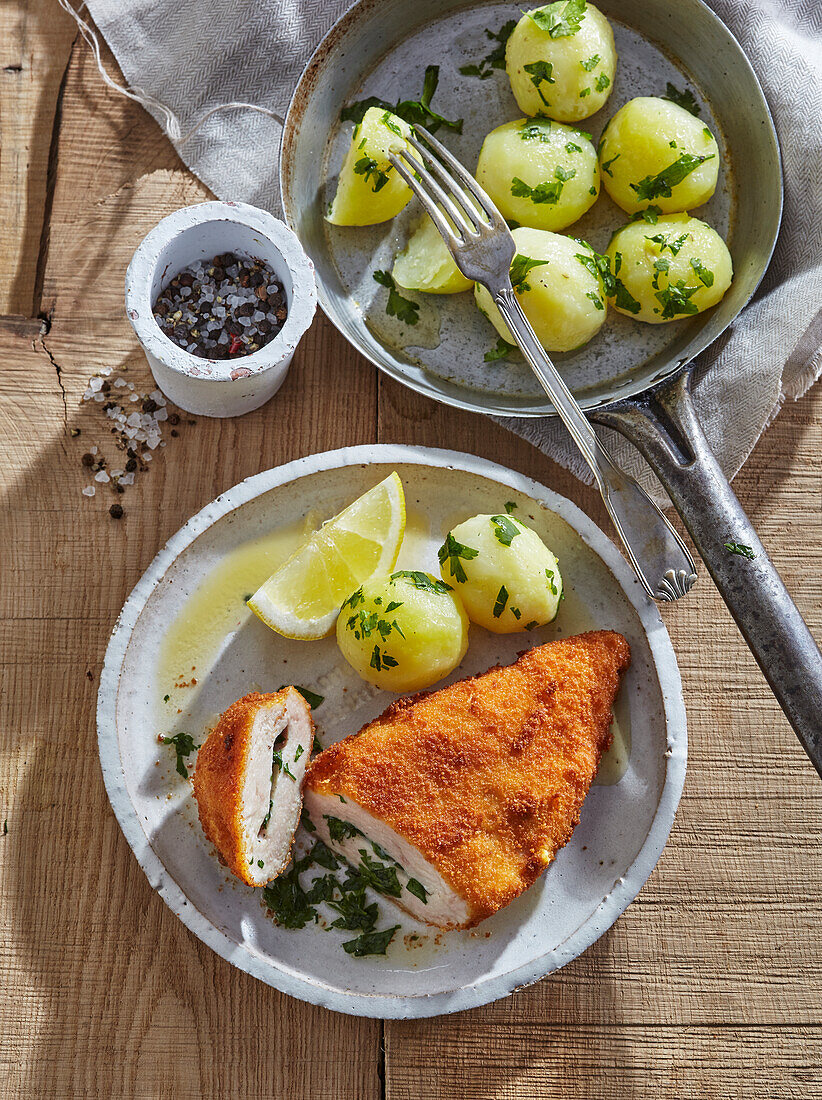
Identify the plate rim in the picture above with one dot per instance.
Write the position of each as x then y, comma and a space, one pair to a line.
481, 991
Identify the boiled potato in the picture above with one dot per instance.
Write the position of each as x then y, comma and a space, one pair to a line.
561, 61
369, 188
503, 572
675, 268
655, 153
426, 264
403, 632
539, 173
562, 294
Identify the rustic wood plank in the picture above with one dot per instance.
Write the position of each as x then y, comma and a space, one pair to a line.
104, 992
707, 986
35, 42
529, 1059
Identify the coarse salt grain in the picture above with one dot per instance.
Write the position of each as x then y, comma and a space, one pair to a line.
89, 491
102, 476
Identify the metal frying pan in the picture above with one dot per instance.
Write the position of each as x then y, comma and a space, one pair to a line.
632, 377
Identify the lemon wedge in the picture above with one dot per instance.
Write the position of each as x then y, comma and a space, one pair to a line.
302, 598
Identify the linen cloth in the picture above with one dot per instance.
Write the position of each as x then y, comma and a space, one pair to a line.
194, 55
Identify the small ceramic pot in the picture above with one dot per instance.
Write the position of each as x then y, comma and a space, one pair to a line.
219, 387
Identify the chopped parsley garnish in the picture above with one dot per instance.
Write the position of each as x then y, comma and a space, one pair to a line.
370, 943
549, 191
653, 187
660, 267
683, 99
307, 823
267, 817
354, 913
540, 72
339, 829
354, 600
496, 58
741, 549
664, 241
184, 746
382, 660
549, 574
260, 863
452, 551
298, 753
367, 166
323, 855
584, 93
380, 876
707, 133
562, 19
422, 582
536, 129
412, 111
606, 164
650, 214
706, 277
501, 601
387, 120
311, 697
572, 147
510, 507
397, 306
505, 529
413, 886
603, 80
288, 902
675, 300
515, 611
591, 63
532, 625
166, 698
595, 298
502, 350
519, 269
281, 766
616, 289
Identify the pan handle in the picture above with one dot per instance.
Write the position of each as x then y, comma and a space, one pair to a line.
665, 428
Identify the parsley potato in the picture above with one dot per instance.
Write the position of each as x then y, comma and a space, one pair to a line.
559, 286
426, 264
403, 631
655, 153
672, 269
503, 572
561, 61
369, 189
539, 173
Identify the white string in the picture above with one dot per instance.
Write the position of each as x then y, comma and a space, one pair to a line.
169, 121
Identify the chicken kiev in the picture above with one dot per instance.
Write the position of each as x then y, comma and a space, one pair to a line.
248, 782
465, 795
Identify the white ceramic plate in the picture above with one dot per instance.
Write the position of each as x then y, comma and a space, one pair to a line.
146, 691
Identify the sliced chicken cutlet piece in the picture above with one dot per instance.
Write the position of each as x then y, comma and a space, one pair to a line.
248, 782
473, 789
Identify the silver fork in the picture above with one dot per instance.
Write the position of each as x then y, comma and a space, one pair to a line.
483, 251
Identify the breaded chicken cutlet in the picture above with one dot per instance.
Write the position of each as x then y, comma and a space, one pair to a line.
473, 789
248, 782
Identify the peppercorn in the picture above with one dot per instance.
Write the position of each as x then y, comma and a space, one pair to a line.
116, 511
88, 459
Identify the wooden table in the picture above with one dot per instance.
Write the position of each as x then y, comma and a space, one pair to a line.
708, 986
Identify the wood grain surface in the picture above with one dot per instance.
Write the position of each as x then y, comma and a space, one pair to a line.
708, 986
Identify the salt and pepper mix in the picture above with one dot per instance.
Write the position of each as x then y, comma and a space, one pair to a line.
223, 308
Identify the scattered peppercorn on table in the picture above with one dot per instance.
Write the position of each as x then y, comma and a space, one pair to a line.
708, 986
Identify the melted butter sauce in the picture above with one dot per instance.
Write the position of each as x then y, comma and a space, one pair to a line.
217, 608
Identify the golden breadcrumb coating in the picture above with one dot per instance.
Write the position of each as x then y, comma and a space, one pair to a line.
486, 778
218, 778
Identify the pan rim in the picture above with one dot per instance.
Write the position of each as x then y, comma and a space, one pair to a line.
458, 396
